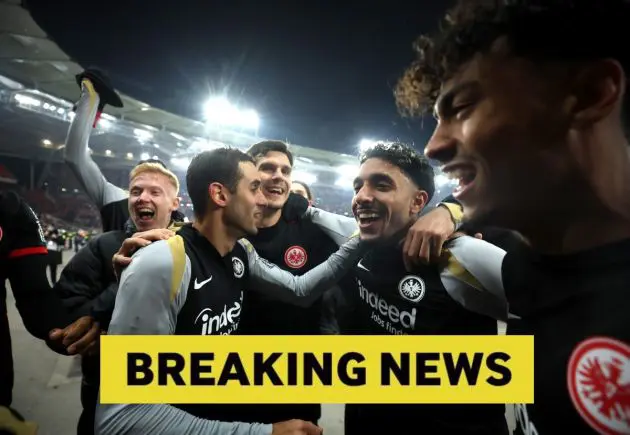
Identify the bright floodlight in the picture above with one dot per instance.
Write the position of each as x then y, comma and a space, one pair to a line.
250, 119
144, 156
220, 111
366, 144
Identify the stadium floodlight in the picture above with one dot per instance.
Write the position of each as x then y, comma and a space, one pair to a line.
130, 155
144, 156
220, 111
108, 152
304, 176
47, 142
366, 144
27, 100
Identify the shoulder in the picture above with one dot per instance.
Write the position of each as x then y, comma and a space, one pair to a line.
161, 254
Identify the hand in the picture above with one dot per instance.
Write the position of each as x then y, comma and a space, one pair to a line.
122, 258
296, 427
81, 337
424, 241
12, 422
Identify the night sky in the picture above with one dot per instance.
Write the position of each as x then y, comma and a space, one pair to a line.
319, 73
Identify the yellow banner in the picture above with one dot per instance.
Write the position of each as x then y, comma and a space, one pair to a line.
317, 369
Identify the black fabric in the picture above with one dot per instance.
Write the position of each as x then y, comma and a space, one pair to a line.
213, 308
102, 85
114, 215
567, 301
23, 262
87, 287
381, 298
297, 246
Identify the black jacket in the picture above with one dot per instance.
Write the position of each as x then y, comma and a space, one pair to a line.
88, 287
88, 284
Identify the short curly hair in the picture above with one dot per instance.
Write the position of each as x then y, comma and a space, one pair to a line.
544, 30
411, 162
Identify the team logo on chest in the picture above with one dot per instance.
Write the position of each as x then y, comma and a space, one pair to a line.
598, 379
239, 267
295, 257
411, 288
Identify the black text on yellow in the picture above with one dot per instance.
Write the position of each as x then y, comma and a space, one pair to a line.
301, 369
461, 368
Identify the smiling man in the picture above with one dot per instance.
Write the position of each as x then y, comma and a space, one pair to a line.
172, 287
88, 285
380, 296
531, 97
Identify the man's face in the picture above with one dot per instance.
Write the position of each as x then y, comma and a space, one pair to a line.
152, 199
299, 189
275, 174
384, 201
501, 133
245, 206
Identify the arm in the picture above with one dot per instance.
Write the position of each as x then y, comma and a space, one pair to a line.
26, 263
339, 228
81, 283
472, 276
98, 189
148, 302
40, 308
305, 289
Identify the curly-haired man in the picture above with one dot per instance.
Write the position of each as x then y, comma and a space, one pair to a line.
529, 100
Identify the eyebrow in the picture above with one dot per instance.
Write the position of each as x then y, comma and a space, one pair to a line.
375, 178
444, 102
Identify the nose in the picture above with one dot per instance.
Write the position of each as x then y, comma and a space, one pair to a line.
277, 174
144, 196
261, 200
442, 145
364, 195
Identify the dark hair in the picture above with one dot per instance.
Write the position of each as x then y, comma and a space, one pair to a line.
544, 30
411, 162
261, 149
220, 165
305, 186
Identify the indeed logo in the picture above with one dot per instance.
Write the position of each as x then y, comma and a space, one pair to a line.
391, 312
224, 323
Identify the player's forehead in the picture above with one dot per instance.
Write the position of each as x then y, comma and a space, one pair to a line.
375, 169
249, 173
274, 158
149, 179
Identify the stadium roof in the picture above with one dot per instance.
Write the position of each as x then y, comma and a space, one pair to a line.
33, 60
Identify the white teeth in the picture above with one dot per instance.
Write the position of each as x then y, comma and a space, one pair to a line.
368, 216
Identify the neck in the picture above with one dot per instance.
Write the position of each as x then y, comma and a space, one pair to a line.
597, 211
217, 233
270, 217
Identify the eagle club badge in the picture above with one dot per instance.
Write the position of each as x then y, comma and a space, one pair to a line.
239, 267
411, 288
598, 378
295, 257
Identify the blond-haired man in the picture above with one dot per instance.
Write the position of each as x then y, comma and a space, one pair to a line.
88, 284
